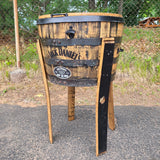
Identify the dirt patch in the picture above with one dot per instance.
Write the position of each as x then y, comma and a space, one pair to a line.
30, 92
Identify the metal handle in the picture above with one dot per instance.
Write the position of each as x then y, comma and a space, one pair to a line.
120, 50
59, 14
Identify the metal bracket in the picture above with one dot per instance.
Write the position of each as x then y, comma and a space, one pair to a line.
72, 63
71, 42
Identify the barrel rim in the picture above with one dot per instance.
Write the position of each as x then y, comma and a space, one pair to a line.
83, 14
80, 17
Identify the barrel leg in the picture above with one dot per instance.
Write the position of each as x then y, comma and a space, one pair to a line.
71, 103
111, 121
103, 86
46, 89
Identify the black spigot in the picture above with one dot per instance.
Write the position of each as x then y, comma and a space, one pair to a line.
71, 32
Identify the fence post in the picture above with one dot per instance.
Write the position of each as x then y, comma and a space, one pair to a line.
16, 32
120, 7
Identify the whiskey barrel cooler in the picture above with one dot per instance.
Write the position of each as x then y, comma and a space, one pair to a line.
71, 45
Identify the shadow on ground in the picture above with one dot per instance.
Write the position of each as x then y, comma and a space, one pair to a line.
24, 134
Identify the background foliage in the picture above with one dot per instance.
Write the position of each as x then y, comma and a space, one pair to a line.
141, 55
29, 10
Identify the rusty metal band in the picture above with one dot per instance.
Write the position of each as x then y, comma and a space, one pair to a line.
76, 82
73, 82
76, 63
71, 42
72, 63
76, 19
118, 39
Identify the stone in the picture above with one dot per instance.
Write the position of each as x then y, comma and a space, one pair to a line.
17, 75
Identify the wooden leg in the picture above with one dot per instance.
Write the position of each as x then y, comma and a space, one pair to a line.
46, 89
111, 108
71, 103
103, 86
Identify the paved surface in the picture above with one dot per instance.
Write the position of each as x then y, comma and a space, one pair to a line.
24, 134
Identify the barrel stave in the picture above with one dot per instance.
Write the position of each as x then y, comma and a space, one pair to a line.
59, 54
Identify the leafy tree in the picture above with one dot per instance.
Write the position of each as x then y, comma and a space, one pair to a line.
149, 9
6, 15
130, 11
91, 4
29, 10
136, 10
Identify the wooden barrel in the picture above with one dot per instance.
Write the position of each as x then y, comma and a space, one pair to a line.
72, 42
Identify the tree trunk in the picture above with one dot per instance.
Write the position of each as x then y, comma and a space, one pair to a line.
105, 4
91, 4
120, 7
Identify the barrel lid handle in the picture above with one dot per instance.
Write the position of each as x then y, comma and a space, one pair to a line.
59, 14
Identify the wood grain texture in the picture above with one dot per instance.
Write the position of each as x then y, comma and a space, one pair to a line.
71, 103
111, 121
120, 29
113, 29
46, 89
116, 54
105, 29
16, 25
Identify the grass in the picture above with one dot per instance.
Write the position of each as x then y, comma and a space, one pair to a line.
7, 57
148, 68
2, 93
141, 56
150, 34
29, 59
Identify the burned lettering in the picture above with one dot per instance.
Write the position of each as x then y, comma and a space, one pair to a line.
64, 52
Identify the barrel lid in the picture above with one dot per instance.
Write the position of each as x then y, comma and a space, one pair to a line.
79, 17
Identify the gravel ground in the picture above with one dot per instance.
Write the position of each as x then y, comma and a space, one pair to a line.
24, 134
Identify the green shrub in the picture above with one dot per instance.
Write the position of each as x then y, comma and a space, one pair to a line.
30, 53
